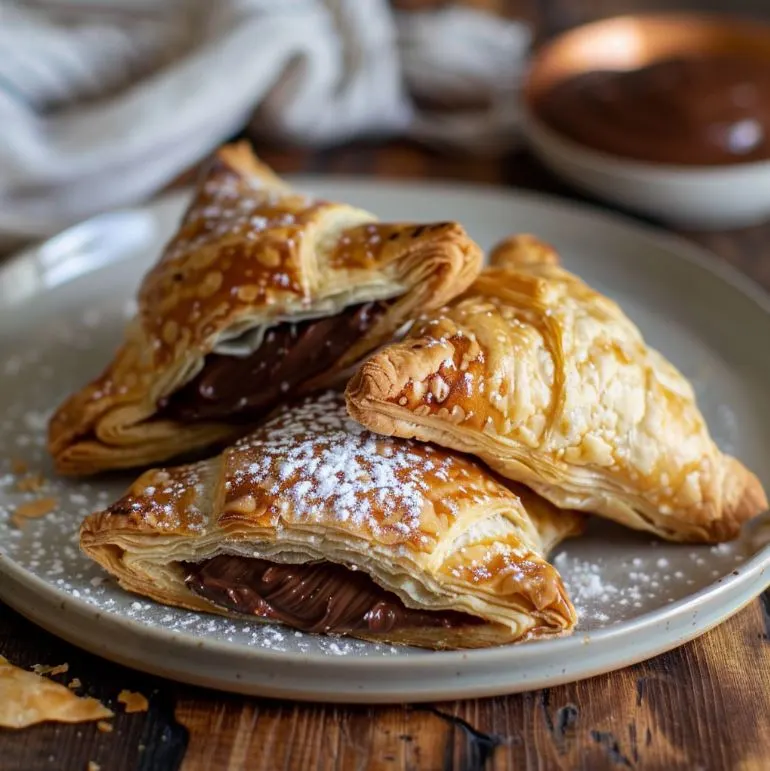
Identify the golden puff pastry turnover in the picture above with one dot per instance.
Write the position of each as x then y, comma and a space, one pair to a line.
262, 293
315, 522
553, 386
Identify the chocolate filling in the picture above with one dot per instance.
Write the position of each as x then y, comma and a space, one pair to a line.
314, 597
700, 110
233, 387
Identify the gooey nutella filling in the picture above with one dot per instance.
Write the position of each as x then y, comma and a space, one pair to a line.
314, 597
235, 387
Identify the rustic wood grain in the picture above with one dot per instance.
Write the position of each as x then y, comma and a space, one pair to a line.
705, 705
702, 706
139, 742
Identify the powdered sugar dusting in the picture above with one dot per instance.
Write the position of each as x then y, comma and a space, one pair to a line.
230, 205
608, 589
314, 459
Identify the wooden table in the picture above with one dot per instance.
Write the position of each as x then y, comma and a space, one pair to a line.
704, 706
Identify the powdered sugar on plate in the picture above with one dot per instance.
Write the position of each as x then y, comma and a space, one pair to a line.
636, 574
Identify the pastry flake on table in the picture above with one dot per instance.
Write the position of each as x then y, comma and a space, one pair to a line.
50, 669
133, 701
316, 523
262, 293
27, 698
548, 382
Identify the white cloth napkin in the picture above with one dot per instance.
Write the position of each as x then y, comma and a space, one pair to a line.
102, 102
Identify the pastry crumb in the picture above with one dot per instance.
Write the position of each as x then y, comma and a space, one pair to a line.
33, 510
30, 483
92, 766
104, 727
19, 466
45, 669
134, 702
74, 683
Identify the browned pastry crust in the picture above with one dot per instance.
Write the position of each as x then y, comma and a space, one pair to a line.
432, 527
249, 255
552, 385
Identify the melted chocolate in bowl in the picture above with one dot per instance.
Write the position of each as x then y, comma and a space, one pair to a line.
314, 597
698, 110
236, 387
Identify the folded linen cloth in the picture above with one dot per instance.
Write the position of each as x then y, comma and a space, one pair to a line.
103, 102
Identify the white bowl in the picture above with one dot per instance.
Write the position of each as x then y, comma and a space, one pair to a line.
698, 197
701, 197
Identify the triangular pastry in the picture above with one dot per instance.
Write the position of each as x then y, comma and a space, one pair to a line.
549, 383
314, 522
261, 294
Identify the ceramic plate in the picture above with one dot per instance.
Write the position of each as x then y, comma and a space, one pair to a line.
62, 306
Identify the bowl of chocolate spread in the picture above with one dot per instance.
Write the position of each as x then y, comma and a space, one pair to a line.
665, 114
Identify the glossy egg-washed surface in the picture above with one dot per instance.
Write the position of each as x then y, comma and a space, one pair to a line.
552, 376
240, 245
313, 469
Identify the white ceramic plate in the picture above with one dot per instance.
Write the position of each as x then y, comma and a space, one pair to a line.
62, 307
